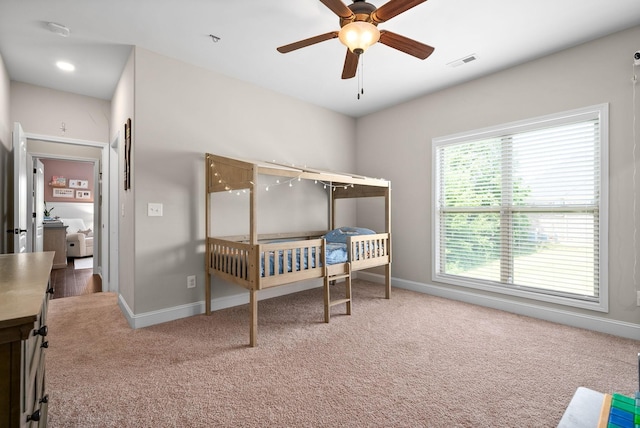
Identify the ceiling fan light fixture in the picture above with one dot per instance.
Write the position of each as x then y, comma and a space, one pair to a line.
358, 36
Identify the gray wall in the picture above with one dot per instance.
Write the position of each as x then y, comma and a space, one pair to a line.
180, 113
593, 73
42, 111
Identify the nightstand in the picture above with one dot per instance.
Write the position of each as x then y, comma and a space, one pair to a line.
55, 239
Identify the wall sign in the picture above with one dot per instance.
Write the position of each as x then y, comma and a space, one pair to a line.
63, 193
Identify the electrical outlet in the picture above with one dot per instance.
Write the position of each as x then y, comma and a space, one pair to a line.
154, 210
191, 281
638, 298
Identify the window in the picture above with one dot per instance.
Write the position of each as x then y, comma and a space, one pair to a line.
521, 208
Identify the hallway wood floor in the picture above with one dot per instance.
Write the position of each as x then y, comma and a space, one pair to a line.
74, 282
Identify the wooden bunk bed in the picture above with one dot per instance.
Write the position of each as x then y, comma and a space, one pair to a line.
260, 261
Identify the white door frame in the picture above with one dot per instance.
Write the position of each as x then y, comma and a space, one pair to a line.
113, 202
20, 175
35, 204
101, 195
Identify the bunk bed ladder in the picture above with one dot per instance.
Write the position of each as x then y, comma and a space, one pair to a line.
328, 280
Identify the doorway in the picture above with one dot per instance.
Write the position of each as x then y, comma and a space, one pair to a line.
98, 155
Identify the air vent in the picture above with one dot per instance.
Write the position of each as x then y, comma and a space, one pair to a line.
463, 60
58, 29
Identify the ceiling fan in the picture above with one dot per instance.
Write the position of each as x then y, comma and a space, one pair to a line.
358, 31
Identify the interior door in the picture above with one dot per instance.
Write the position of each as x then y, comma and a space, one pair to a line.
38, 205
19, 190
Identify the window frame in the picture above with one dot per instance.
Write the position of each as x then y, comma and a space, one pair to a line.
600, 112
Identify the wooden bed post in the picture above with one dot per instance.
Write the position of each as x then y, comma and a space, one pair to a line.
387, 280
207, 257
253, 329
253, 235
327, 296
332, 208
253, 207
387, 218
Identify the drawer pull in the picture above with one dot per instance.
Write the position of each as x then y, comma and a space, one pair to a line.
45, 399
35, 416
42, 331
45, 344
50, 290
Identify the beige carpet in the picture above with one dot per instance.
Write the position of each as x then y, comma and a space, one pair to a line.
412, 361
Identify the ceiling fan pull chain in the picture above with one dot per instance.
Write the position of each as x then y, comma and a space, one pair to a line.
360, 75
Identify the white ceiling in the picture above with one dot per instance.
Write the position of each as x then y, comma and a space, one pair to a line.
501, 33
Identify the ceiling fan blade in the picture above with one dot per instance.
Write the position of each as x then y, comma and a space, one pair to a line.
350, 65
338, 8
405, 44
393, 8
308, 42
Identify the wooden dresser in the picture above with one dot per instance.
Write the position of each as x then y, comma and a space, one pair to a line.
24, 297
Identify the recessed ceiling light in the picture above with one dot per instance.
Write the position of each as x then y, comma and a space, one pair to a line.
65, 66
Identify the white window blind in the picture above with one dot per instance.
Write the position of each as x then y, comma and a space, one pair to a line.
519, 208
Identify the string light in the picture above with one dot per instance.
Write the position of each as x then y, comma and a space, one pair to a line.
279, 182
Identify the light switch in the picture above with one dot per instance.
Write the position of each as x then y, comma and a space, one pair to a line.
154, 210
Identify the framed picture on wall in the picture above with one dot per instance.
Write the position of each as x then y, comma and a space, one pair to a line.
78, 184
127, 154
57, 181
83, 194
63, 193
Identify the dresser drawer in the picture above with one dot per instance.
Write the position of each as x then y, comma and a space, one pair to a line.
37, 401
34, 397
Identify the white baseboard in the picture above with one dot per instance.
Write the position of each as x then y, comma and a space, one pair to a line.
560, 316
566, 317
158, 317
147, 319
